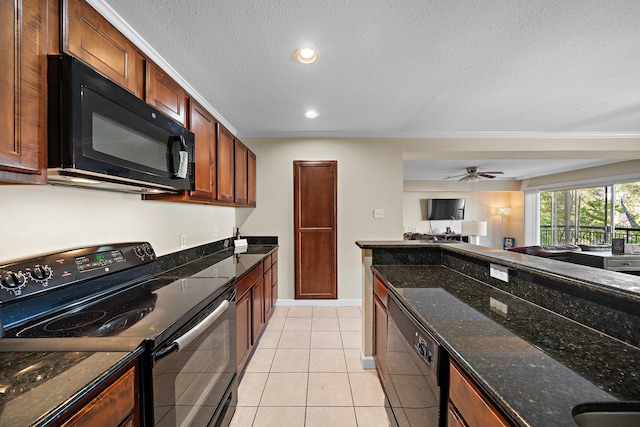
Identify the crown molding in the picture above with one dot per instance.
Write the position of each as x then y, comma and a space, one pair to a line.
445, 135
123, 26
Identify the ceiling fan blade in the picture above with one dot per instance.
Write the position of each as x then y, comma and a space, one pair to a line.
484, 175
494, 173
455, 176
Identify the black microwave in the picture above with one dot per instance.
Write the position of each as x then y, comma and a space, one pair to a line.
104, 137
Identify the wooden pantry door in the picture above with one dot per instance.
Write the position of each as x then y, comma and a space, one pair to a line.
315, 228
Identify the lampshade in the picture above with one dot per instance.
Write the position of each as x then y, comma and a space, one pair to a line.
474, 228
503, 211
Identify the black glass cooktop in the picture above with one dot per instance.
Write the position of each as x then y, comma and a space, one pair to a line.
148, 311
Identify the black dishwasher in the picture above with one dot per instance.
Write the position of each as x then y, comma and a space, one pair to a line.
417, 372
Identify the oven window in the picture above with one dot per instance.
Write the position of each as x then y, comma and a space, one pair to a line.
190, 385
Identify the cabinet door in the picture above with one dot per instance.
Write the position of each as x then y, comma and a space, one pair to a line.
92, 39
268, 303
165, 94
469, 403
22, 117
113, 407
203, 125
257, 308
243, 328
225, 165
380, 336
251, 179
240, 173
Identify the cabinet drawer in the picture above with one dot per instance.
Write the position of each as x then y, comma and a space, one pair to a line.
111, 407
244, 284
474, 408
380, 290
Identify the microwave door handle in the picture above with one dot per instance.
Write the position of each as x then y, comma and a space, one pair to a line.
179, 158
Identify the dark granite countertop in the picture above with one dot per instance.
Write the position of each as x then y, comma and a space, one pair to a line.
40, 377
35, 387
535, 364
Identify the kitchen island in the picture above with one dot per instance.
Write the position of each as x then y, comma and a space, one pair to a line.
553, 336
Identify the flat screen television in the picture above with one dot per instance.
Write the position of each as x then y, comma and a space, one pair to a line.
442, 209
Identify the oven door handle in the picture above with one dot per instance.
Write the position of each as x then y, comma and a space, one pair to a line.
186, 339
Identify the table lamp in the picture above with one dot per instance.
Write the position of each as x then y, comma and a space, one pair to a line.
475, 229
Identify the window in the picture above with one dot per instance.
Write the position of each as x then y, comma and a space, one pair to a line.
590, 215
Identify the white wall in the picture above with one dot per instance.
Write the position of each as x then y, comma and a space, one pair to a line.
40, 219
479, 206
369, 177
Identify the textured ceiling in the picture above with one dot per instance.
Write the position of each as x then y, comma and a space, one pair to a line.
409, 68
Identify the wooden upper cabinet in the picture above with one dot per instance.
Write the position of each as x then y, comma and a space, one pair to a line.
251, 178
203, 125
88, 36
225, 165
240, 173
165, 94
22, 77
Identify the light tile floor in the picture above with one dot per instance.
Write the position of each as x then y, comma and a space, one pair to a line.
306, 371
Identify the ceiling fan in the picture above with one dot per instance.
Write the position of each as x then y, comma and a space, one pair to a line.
473, 174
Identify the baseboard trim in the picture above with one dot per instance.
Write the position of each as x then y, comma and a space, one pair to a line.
318, 303
367, 362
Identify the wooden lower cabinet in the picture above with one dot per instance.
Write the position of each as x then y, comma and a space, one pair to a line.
467, 404
117, 405
257, 309
380, 316
255, 299
243, 328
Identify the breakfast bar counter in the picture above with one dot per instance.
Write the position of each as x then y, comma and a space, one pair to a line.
553, 336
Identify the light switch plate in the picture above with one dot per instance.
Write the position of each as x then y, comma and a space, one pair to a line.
378, 213
500, 272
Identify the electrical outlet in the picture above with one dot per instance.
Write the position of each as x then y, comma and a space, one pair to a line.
378, 213
500, 272
183, 241
498, 307
215, 231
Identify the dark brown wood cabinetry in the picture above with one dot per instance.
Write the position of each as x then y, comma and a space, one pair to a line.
225, 169
88, 36
240, 173
255, 299
165, 94
467, 404
380, 315
116, 404
22, 77
251, 179
225, 172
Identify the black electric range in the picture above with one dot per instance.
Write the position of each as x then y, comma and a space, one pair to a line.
104, 298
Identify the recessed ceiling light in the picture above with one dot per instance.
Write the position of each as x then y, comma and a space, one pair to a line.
311, 114
306, 55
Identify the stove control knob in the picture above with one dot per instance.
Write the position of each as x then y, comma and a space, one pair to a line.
138, 251
41, 273
149, 250
13, 280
